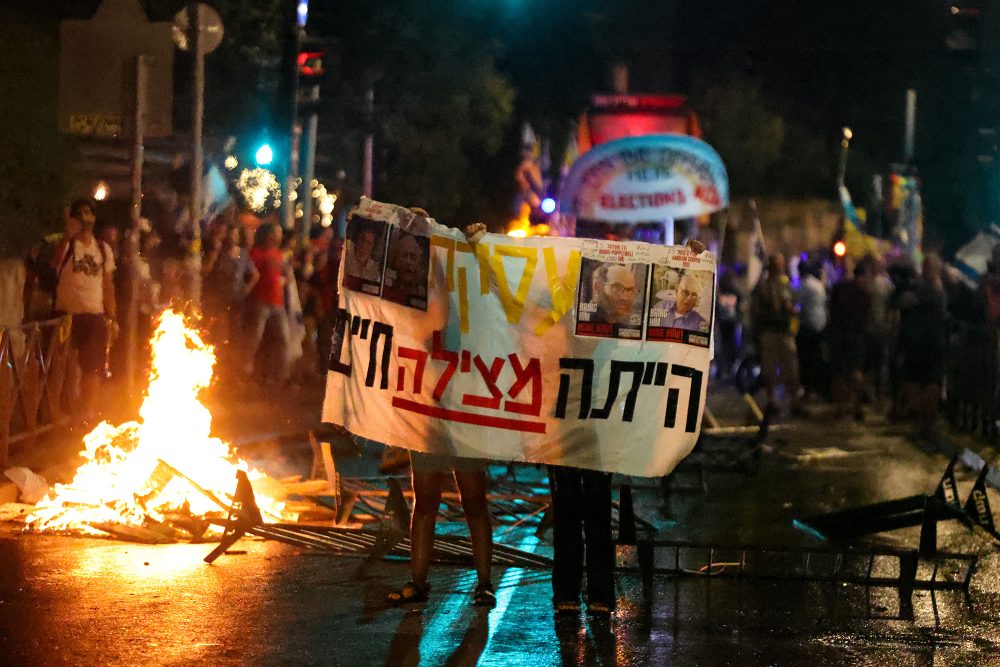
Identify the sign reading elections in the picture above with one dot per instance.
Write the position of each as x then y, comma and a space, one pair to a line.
647, 178
573, 352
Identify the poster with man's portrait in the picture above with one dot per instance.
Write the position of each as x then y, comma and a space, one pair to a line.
364, 255
680, 308
406, 273
611, 299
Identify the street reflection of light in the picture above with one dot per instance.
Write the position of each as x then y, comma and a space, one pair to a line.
165, 562
101, 193
508, 584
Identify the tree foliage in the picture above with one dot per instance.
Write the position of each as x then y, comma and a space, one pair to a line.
35, 160
441, 108
243, 75
738, 122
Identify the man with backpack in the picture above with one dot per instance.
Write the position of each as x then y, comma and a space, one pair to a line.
85, 290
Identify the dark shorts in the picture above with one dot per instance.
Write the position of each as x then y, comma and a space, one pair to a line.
89, 337
444, 463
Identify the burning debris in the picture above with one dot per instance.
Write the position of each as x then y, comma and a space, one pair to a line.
164, 472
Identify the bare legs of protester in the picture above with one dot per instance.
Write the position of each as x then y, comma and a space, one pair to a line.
427, 487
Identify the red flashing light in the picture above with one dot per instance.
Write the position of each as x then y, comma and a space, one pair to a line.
839, 248
311, 63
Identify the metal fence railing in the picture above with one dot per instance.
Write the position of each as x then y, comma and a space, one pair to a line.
973, 381
33, 374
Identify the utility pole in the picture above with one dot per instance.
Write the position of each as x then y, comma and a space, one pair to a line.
135, 213
310, 161
197, 121
368, 166
294, 23
911, 123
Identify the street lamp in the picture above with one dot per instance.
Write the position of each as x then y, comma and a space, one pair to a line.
845, 143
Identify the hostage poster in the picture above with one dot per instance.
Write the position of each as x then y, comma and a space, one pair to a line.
564, 351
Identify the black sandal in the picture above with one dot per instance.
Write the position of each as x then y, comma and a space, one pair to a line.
409, 593
600, 609
484, 595
566, 608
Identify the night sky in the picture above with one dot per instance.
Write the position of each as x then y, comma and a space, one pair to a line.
821, 66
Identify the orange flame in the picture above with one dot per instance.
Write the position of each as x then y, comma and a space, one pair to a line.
122, 480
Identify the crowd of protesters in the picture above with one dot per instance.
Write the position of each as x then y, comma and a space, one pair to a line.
866, 334
267, 297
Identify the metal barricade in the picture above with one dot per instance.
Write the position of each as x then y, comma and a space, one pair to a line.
33, 364
973, 380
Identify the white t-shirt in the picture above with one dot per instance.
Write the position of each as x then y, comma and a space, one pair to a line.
81, 277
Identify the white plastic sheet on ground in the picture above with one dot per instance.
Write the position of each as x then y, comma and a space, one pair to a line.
33, 487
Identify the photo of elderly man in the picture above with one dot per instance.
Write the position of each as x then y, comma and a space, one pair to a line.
612, 298
682, 303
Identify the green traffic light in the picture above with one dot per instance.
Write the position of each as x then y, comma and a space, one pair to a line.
264, 155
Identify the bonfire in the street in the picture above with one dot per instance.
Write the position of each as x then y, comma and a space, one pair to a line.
163, 468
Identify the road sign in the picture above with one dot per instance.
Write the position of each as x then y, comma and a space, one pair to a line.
210, 24
97, 72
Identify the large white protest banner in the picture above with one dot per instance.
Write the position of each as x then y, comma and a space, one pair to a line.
576, 352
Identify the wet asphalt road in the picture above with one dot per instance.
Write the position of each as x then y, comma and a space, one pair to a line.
88, 601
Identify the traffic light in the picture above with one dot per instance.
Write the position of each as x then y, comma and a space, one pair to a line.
264, 155
311, 66
311, 72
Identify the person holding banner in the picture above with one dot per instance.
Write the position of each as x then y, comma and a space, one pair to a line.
429, 472
581, 499
581, 513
